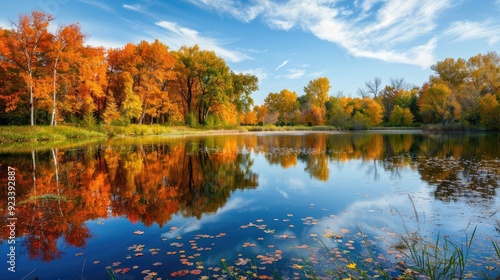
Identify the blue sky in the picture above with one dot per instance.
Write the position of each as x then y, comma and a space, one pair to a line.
287, 43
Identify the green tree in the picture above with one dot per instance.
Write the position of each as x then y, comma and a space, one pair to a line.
401, 116
243, 86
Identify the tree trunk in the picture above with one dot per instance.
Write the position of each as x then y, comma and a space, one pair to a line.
32, 106
53, 121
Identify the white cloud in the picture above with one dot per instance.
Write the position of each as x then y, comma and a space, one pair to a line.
391, 30
470, 30
281, 65
294, 73
260, 73
179, 36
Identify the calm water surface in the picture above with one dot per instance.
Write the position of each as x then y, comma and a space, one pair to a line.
258, 203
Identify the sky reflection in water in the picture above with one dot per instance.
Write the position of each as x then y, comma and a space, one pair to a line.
202, 199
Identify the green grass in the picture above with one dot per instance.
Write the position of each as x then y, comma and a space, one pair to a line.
45, 133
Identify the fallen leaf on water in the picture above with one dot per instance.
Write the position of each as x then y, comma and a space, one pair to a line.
157, 264
96, 262
78, 254
195, 271
138, 232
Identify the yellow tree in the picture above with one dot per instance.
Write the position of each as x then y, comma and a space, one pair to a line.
489, 108
450, 71
284, 103
438, 100
317, 91
372, 110
483, 78
261, 112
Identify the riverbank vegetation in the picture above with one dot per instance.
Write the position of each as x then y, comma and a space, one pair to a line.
51, 78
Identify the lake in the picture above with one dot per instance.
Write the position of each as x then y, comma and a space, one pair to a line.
265, 205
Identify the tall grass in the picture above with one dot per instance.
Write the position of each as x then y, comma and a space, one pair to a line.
436, 259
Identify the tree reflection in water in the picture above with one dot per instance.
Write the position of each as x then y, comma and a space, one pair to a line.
58, 190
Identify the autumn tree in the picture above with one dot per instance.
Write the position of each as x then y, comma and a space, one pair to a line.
489, 108
186, 83
154, 72
438, 100
64, 48
261, 112
283, 103
25, 44
317, 91
483, 78
451, 72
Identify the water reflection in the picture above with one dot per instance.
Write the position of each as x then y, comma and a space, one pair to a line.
58, 191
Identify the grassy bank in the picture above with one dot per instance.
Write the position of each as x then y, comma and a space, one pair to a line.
45, 133
39, 134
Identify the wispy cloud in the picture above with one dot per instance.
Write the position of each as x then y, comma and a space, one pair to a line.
134, 7
469, 30
391, 30
316, 74
260, 73
98, 4
178, 36
294, 73
281, 65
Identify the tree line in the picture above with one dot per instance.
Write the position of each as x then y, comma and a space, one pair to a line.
52, 77
463, 92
